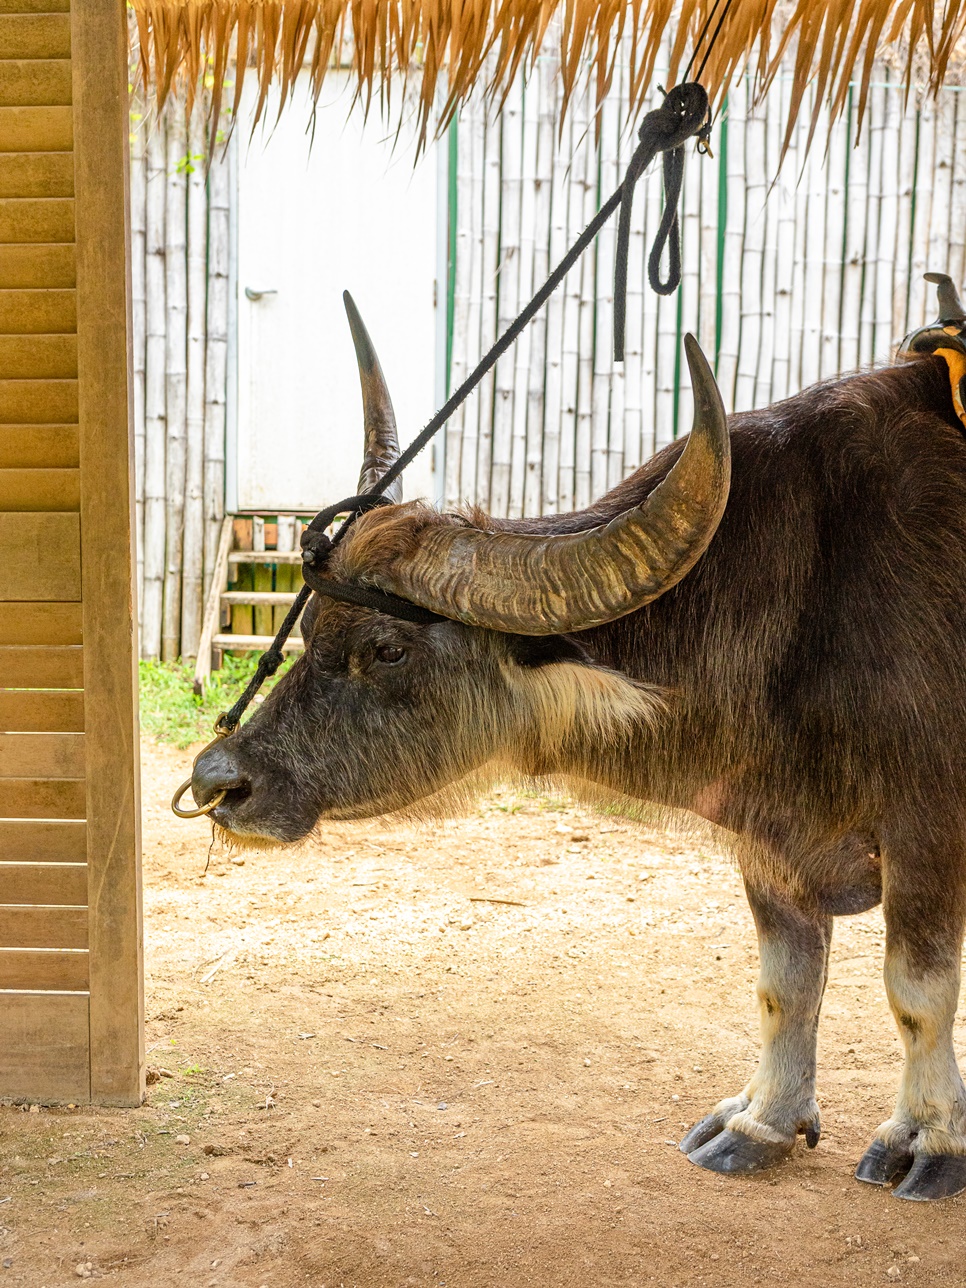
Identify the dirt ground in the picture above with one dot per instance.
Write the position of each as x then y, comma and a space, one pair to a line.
461, 1055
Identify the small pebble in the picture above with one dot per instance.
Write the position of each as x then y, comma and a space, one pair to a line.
182, 1140
675, 1098
238, 861
587, 1063
894, 1272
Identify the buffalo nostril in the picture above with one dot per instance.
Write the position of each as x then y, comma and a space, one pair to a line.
216, 770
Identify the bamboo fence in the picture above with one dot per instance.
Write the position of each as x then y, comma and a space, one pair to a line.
180, 272
791, 274
786, 280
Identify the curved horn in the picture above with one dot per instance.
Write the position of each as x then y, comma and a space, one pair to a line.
381, 442
950, 306
530, 584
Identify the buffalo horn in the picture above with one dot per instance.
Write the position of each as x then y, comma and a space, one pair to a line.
534, 584
381, 442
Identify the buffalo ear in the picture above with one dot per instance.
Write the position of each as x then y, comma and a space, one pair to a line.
543, 650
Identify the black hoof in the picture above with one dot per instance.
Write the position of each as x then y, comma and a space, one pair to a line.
813, 1132
734, 1152
881, 1164
933, 1176
701, 1133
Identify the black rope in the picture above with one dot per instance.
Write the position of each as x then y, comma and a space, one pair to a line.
683, 114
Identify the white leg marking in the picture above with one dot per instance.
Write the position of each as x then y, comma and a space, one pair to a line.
930, 1112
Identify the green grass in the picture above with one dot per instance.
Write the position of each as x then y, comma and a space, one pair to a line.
172, 712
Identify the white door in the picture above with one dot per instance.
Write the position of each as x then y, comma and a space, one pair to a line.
338, 206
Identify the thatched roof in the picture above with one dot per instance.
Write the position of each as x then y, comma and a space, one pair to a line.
455, 44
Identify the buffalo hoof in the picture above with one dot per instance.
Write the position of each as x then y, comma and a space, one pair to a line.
701, 1133
933, 1176
734, 1152
881, 1164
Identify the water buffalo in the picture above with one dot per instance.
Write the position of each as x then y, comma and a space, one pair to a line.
789, 666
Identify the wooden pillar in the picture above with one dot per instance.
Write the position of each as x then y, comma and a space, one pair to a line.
99, 46
71, 1014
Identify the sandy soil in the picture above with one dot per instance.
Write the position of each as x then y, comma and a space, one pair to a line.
458, 1055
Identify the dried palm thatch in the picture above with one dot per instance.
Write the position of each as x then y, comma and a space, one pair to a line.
451, 44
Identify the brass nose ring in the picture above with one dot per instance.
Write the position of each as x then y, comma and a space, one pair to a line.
201, 809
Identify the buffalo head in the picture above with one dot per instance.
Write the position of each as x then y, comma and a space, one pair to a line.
380, 714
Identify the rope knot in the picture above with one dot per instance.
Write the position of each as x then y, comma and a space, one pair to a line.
684, 113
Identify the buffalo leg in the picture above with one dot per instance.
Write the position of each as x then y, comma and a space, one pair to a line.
925, 1139
757, 1128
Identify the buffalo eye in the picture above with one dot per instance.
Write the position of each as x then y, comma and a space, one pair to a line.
390, 653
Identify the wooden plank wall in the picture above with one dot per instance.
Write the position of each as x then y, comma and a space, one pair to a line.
53, 813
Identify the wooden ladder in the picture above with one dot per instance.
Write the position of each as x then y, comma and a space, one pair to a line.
253, 585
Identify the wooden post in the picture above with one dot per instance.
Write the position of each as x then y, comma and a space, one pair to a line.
99, 47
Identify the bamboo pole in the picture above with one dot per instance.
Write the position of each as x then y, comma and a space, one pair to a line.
571, 316
461, 358
756, 189
154, 405
938, 253
488, 325
873, 206
635, 344
814, 270
585, 165
508, 295
908, 141
476, 117
784, 194
708, 274
176, 378
556, 305
192, 583
769, 255
690, 290
855, 226
607, 429
957, 209
835, 199
526, 350
138, 322
216, 357
649, 219
800, 297
888, 222
733, 239
536, 376
921, 304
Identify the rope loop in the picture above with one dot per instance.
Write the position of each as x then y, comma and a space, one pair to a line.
684, 113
